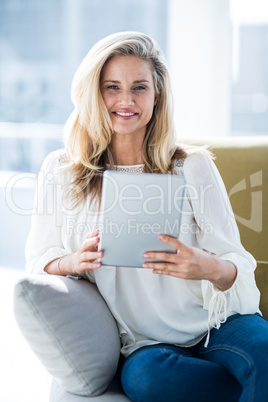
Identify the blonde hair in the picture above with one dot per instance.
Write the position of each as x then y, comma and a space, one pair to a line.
88, 130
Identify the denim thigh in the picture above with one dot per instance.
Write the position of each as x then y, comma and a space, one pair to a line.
241, 346
164, 372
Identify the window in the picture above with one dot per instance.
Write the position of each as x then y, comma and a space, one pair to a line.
41, 45
249, 67
43, 42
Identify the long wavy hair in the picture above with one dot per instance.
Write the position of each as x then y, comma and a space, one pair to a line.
88, 130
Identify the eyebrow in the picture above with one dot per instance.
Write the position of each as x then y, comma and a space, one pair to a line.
118, 82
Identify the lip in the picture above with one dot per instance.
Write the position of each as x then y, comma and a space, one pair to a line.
125, 114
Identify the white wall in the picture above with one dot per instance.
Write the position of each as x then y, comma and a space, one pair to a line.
199, 59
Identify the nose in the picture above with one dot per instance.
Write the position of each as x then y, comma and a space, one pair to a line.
126, 98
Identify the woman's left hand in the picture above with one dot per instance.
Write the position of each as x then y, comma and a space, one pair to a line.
191, 263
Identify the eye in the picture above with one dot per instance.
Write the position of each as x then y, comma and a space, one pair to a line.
113, 87
139, 88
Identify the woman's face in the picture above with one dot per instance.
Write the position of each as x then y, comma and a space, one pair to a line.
127, 89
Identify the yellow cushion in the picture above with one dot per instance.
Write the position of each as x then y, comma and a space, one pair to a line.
243, 165
261, 275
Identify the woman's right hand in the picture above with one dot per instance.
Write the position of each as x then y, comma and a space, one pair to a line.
79, 262
84, 258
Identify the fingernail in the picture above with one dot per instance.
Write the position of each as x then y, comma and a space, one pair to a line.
146, 255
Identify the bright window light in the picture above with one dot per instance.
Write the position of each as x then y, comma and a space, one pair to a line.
249, 115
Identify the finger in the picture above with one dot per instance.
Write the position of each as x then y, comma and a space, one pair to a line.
179, 270
91, 256
175, 274
85, 266
161, 256
173, 242
95, 233
161, 266
91, 242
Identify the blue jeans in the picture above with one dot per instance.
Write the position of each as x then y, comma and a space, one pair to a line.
234, 367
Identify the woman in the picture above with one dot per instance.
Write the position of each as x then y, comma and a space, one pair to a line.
189, 326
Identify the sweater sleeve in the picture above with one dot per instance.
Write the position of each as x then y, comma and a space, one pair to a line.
44, 243
218, 234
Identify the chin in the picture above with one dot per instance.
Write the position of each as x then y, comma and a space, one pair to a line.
123, 131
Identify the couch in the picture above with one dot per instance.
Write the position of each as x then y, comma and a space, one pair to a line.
243, 165
48, 305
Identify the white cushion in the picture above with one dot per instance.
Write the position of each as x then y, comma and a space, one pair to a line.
70, 328
114, 393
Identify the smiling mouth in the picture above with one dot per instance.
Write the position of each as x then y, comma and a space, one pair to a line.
125, 114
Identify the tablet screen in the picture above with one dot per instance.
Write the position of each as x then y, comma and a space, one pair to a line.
135, 209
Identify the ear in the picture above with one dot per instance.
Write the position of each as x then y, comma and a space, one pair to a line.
155, 100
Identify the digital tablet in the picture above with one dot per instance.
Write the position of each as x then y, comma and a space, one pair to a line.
135, 209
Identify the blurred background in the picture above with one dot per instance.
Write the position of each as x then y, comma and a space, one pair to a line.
217, 52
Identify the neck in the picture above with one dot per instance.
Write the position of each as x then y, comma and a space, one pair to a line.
126, 151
